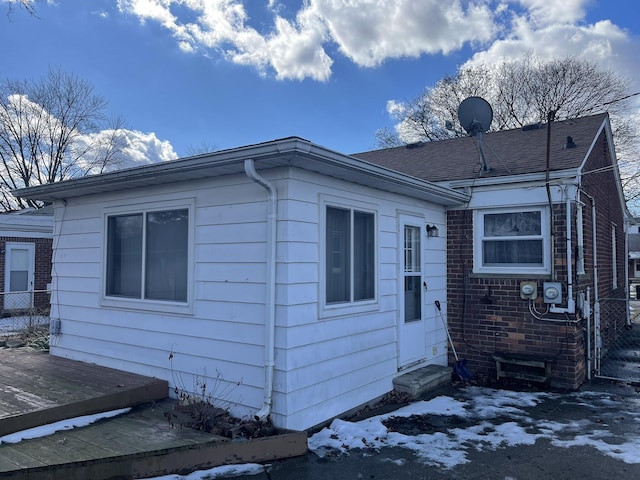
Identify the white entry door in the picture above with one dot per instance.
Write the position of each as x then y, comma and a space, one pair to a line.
18, 275
411, 322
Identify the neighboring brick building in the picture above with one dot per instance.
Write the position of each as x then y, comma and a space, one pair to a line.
25, 260
537, 258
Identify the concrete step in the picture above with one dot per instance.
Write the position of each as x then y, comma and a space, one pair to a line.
424, 379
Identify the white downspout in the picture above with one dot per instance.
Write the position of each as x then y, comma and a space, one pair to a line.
596, 298
270, 321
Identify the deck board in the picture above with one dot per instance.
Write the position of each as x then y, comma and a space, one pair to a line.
37, 388
113, 440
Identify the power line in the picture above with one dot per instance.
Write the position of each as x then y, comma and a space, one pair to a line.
620, 99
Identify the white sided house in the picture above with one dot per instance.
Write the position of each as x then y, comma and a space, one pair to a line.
291, 280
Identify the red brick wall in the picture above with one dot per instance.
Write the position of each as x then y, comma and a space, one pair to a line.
599, 184
485, 312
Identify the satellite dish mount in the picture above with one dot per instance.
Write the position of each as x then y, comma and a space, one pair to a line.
475, 115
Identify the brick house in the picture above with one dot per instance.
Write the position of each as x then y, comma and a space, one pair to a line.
25, 260
537, 257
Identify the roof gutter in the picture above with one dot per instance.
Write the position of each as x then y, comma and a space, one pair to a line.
270, 285
289, 152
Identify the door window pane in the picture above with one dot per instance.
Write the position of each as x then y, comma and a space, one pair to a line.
411, 249
412, 299
19, 270
412, 275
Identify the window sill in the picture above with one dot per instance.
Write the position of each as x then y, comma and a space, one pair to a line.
348, 309
524, 276
147, 305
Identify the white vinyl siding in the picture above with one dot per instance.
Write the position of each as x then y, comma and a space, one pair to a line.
328, 361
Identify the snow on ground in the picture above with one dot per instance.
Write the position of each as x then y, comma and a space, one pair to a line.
493, 418
51, 428
15, 325
224, 471
480, 418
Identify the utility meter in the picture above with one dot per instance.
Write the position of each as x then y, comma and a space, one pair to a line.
552, 292
528, 290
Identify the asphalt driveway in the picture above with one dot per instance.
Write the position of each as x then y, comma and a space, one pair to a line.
480, 433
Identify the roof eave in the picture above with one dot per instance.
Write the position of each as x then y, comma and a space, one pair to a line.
291, 151
512, 179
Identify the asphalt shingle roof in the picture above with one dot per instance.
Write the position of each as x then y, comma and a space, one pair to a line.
507, 152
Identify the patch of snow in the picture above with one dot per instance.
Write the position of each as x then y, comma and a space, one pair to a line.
224, 471
449, 448
51, 428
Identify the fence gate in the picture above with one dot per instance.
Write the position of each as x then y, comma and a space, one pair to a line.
617, 339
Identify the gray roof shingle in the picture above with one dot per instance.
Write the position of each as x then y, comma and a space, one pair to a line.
507, 152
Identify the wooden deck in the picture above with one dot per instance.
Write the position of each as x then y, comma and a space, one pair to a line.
37, 389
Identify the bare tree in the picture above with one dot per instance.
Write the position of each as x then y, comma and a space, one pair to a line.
523, 92
202, 148
52, 129
520, 92
28, 5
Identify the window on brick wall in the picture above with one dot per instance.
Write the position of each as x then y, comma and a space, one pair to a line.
511, 241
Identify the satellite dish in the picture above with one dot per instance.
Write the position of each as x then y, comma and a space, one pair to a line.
475, 115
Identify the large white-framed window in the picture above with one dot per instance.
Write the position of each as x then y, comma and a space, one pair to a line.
350, 258
514, 240
148, 256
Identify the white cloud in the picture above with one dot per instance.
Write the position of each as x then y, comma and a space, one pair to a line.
87, 151
370, 32
601, 42
134, 148
544, 12
366, 31
140, 148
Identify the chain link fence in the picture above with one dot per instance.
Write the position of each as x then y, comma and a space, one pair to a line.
617, 339
24, 313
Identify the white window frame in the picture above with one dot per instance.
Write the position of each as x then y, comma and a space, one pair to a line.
525, 269
349, 307
166, 306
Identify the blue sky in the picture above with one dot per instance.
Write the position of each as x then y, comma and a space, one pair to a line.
233, 72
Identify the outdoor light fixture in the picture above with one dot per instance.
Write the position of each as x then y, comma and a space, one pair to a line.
432, 231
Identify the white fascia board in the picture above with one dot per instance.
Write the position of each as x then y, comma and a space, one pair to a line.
286, 152
557, 177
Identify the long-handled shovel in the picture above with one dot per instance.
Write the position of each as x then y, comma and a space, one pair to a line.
460, 367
